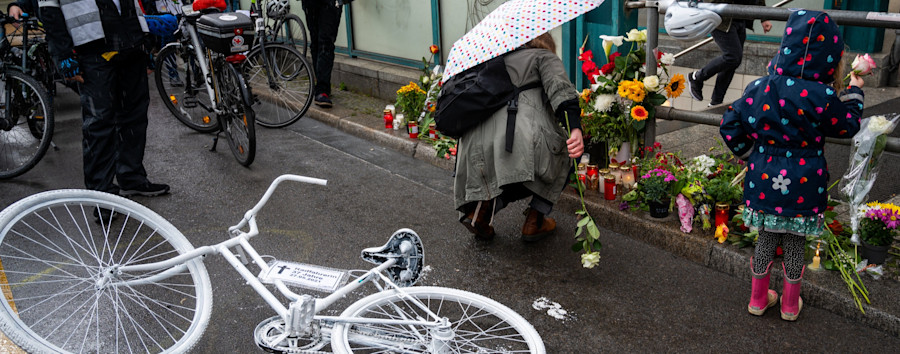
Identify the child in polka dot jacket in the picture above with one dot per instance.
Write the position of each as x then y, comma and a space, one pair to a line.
779, 127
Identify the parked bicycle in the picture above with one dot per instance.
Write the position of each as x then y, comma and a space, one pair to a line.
288, 28
201, 81
133, 283
33, 53
26, 114
282, 79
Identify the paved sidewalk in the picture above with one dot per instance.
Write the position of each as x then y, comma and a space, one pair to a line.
361, 115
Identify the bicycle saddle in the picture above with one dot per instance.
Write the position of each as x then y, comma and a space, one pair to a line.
406, 246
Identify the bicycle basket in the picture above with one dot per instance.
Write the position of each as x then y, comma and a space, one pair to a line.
226, 33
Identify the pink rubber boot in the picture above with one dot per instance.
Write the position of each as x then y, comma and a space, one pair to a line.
761, 297
791, 303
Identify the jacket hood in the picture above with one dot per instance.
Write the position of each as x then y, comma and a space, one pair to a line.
811, 47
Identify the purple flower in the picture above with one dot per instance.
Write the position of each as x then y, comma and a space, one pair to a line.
890, 218
623, 206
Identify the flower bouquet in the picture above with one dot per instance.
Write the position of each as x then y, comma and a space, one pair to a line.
868, 145
622, 96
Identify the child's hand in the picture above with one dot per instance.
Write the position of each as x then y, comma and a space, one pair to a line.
855, 80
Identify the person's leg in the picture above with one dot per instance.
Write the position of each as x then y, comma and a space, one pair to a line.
310, 8
537, 224
732, 46
791, 303
761, 297
98, 128
329, 20
132, 100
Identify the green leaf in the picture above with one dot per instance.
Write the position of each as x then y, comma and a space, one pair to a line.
593, 230
638, 124
578, 246
583, 221
655, 99
597, 245
578, 231
829, 265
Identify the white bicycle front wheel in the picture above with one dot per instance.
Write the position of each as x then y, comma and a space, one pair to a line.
57, 252
477, 323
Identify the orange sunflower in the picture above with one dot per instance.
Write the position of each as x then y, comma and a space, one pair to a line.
675, 86
639, 113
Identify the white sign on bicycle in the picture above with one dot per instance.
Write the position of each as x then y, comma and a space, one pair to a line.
304, 275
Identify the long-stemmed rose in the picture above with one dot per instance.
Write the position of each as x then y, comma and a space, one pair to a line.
862, 65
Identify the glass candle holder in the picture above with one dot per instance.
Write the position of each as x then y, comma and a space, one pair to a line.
614, 170
388, 119
722, 213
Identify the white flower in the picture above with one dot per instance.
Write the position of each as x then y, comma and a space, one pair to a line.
609, 41
667, 59
880, 125
636, 36
589, 260
780, 183
604, 102
703, 164
651, 82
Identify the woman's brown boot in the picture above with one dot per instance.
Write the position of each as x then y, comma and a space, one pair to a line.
479, 221
537, 226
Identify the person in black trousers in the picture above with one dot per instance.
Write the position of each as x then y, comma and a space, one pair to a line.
322, 18
729, 36
102, 48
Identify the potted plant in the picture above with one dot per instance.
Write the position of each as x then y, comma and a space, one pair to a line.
877, 228
656, 189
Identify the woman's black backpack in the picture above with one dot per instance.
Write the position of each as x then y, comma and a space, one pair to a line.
472, 96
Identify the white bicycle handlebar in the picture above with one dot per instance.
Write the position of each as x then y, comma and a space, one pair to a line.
250, 214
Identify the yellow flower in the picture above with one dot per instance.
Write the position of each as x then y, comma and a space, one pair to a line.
412, 87
639, 113
675, 86
585, 95
722, 233
632, 90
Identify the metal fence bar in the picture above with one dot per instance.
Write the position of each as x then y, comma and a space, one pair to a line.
859, 18
670, 113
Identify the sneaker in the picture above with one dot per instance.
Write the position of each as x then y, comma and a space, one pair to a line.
695, 86
147, 189
103, 216
322, 100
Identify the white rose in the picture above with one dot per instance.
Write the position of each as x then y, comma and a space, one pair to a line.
636, 36
589, 260
604, 102
880, 125
651, 82
667, 59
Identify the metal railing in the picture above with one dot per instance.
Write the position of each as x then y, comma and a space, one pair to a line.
844, 17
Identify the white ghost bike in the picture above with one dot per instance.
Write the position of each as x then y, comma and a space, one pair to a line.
127, 281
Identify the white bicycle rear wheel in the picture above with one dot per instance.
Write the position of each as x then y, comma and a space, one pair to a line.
479, 324
54, 251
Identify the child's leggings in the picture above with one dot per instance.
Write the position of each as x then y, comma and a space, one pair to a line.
793, 252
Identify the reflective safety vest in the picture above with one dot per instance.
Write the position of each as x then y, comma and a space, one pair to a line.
83, 18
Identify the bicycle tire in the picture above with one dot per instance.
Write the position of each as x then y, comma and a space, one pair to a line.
290, 30
53, 253
289, 96
239, 121
183, 89
25, 144
479, 324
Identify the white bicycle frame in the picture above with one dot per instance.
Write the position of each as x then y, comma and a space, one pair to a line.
294, 314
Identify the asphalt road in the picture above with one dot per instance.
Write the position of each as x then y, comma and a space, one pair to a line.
639, 298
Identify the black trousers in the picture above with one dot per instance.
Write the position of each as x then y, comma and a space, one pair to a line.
114, 102
322, 20
731, 44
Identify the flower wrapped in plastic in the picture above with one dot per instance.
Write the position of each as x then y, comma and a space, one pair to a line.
868, 145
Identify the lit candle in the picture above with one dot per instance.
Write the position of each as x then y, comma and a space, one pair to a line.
816, 259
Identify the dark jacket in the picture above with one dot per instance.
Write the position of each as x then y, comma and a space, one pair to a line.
726, 21
122, 31
780, 123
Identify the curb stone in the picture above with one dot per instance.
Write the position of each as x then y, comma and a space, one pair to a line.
821, 289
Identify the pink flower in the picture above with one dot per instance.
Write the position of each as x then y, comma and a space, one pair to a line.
890, 218
863, 65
